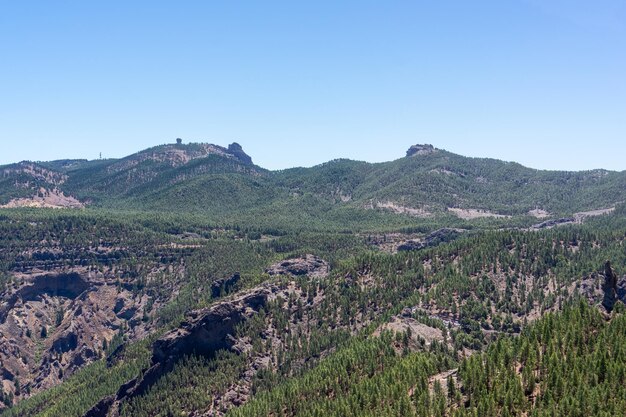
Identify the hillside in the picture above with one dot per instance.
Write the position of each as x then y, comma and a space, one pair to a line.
428, 185
185, 280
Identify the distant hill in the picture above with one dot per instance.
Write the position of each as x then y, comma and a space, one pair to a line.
428, 183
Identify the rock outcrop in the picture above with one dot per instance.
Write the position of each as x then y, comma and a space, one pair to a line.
443, 235
205, 332
310, 265
604, 288
69, 285
208, 330
425, 149
176, 155
46, 198
28, 184
28, 173
437, 237
236, 150
55, 322
548, 224
410, 245
609, 287
224, 285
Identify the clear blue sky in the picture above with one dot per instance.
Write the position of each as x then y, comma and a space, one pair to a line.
541, 82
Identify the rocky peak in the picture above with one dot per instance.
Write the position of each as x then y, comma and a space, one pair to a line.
421, 150
179, 154
236, 150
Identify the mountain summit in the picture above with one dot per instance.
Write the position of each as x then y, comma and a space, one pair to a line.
180, 154
236, 150
425, 149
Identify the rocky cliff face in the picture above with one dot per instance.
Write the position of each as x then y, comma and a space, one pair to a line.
604, 289
204, 333
208, 330
420, 150
54, 322
212, 329
614, 288
236, 150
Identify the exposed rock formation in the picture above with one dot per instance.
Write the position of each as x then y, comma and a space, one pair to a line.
54, 323
435, 238
400, 209
419, 332
577, 218
582, 215
410, 245
443, 235
102, 408
204, 333
420, 150
46, 199
236, 150
27, 172
209, 330
471, 214
176, 155
310, 265
609, 287
604, 289
62, 285
548, 224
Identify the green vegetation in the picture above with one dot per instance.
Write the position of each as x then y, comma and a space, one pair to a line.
341, 194
460, 284
81, 391
366, 378
499, 321
567, 364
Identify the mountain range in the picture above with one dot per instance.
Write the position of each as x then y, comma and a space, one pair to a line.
186, 280
427, 184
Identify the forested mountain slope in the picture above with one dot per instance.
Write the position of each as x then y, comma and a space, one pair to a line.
436, 306
185, 280
427, 184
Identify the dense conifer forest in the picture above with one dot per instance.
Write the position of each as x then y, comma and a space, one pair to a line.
434, 285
